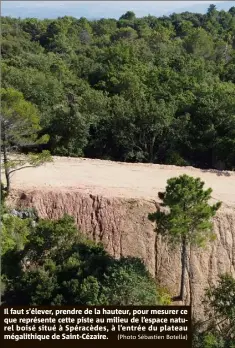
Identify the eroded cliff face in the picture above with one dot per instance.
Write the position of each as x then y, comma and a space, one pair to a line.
122, 225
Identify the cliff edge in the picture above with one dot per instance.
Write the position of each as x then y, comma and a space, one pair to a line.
110, 202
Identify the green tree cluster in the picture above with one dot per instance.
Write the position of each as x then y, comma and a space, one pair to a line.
219, 329
50, 263
145, 89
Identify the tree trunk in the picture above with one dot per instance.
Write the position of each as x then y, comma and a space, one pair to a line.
183, 271
183, 268
151, 149
190, 276
5, 160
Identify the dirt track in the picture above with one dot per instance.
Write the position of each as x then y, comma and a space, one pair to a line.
118, 179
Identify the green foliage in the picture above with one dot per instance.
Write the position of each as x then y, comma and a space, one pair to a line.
189, 215
14, 233
219, 329
145, 89
20, 124
20, 119
211, 340
3, 196
50, 237
128, 283
71, 130
220, 300
186, 220
199, 43
60, 266
14, 236
129, 15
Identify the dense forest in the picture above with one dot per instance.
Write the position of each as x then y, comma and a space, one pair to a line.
149, 89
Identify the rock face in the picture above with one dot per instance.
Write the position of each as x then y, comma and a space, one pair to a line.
111, 202
122, 225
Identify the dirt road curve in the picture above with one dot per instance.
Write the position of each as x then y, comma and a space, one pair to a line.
118, 179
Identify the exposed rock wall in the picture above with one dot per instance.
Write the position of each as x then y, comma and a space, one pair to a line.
122, 225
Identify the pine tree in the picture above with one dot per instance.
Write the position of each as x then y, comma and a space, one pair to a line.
19, 129
188, 219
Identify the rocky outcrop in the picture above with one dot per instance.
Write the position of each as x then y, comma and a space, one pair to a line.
122, 225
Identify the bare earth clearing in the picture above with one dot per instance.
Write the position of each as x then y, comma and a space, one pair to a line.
117, 179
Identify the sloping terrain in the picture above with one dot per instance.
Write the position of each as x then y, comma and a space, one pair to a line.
111, 202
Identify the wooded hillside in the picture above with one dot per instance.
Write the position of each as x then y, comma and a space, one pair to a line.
146, 89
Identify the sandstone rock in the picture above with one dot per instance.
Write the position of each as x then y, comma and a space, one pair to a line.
122, 225
111, 202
